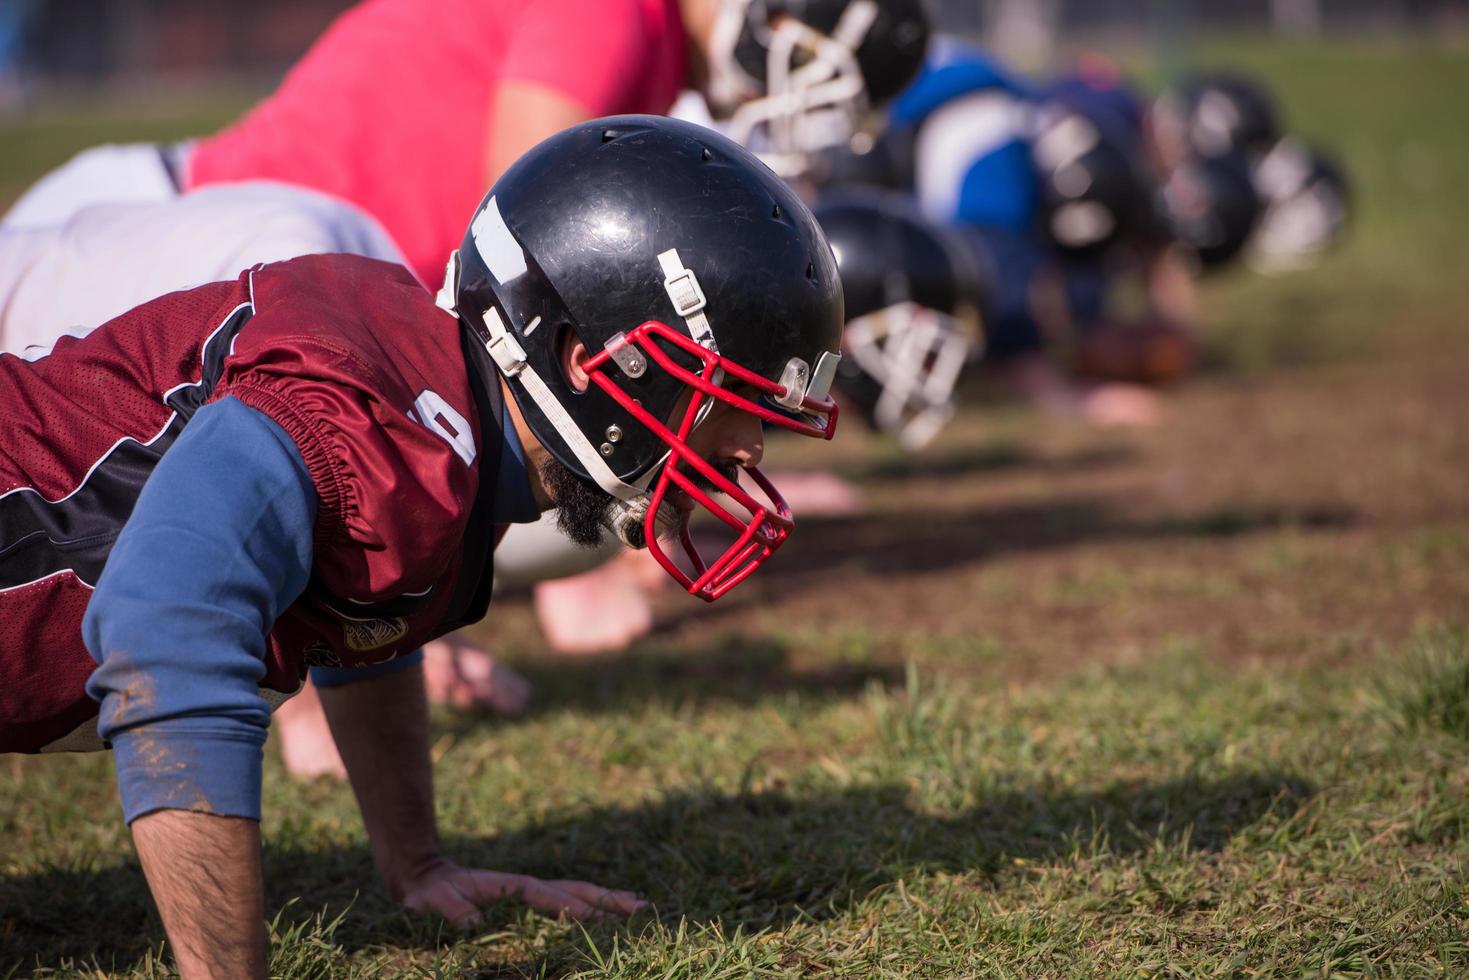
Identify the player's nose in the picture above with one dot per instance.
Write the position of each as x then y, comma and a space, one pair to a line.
741, 439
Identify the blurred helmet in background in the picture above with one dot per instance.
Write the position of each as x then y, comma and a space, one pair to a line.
887, 163
1306, 199
1094, 190
1096, 87
797, 76
1216, 114
1212, 206
691, 274
912, 295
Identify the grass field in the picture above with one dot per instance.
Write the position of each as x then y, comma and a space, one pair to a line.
1186, 703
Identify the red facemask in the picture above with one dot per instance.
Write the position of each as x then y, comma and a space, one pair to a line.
763, 527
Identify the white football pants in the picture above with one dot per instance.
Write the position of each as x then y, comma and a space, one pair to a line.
72, 258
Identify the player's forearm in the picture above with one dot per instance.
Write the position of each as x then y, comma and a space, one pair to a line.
217, 546
204, 872
381, 729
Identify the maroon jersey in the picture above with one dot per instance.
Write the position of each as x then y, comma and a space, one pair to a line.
352, 359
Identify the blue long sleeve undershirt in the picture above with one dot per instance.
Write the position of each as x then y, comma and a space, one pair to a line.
217, 547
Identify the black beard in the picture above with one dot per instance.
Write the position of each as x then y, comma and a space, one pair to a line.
730, 471
581, 505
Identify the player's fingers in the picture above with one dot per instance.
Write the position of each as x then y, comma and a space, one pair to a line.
607, 899
491, 886
471, 660
446, 900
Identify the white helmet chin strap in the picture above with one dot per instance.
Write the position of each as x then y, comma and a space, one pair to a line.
626, 514
630, 506
510, 358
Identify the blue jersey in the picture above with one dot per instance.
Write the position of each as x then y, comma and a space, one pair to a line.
968, 121
967, 117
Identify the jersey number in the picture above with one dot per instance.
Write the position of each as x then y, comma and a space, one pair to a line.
438, 416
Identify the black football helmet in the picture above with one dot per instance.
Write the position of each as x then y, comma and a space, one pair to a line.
1094, 190
796, 76
1212, 206
1306, 200
887, 164
1216, 114
912, 296
692, 274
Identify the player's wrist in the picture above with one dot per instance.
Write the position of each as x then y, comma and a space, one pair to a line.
215, 771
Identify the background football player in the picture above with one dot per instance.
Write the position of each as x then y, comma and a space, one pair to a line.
1226, 120
1053, 188
912, 296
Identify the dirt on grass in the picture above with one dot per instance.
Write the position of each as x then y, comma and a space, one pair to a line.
1307, 515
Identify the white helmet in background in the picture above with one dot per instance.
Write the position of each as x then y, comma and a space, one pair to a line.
792, 77
1305, 199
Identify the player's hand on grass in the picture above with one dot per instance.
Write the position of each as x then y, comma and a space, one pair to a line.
457, 894
463, 675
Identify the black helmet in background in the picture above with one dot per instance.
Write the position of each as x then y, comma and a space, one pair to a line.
1212, 206
1095, 190
794, 77
692, 274
1306, 201
886, 164
1213, 114
913, 295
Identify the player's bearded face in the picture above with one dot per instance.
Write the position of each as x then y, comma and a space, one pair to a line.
725, 438
582, 507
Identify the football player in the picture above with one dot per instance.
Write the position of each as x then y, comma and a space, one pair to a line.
1212, 207
1229, 124
1053, 188
1213, 114
307, 468
912, 296
1306, 198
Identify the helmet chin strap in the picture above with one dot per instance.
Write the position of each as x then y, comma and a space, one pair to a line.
628, 510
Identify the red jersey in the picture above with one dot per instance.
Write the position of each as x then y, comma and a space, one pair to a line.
366, 375
390, 109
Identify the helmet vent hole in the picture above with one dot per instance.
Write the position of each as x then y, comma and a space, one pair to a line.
705, 154
775, 211
811, 271
608, 135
